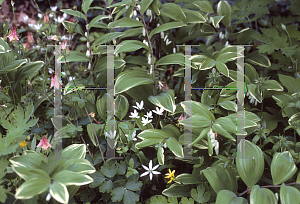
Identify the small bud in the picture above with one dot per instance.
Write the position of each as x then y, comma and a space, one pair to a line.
283, 27
174, 50
144, 32
74, 7
28, 137
139, 7
134, 13
127, 7
162, 35
67, 51
137, 19
48, 197
46, 18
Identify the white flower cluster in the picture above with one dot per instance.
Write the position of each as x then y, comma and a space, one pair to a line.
252, 99
213, 140
162, 35
221, 35
145, 120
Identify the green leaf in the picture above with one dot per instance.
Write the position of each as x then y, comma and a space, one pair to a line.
160, 155
74, 151
216, 20
164, 100
71, 178
176, 58
96, 20
151, 137
221, 178
91, 133
197, 108
250, 170
194, 16
98, 178
204, 6
221, 67
173, 11
185, 200
177, 190
131, 78
229, 105
73, 27
220, 130
228, 197
106, 186
109, 171
75, 56
59, 192
165, 27
130, 197
101, 106
133, 185
262, 195
125, 22
289, 194
207, 64
3, 195
258, 59
224, 9
144, 5
175, 146
282, 167
158, 199
108, 37
117, 194
32, 187
121, 106
86, 5
196, 121
12, 66
273, 85
130, 46
74, 13
28, 70
200, 195
186, 178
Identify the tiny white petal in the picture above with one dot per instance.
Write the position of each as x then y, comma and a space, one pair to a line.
155, 172
146, 168
151, 176
150, 165
155, 167
144, 174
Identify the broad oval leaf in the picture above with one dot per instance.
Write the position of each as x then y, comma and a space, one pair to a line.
250, 170
164, 100
176, 58
74, 13
282, 167
224, 9
173, 11
221, 67
75, 56
160, 155
59, 192
289, 194
108, 37
28, 70
175, 146
32, 187
74, 151
228, 197
96, 20
71, 178
273, 85
129, 79
193, 107
229, 105
130, 46
178, 190
258, 59
196, 121
194, 16
204, 6
125, 22
121, 106
12, 66
166, 26
262, 195
221, 178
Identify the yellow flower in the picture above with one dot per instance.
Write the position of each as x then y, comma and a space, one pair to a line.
92, 114
23, 143
170, 175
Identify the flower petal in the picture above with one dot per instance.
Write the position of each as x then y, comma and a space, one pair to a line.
144, 174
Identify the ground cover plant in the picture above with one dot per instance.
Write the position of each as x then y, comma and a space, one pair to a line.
150, 41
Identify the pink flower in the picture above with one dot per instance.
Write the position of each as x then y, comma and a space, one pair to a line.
64, 44
181, 117
52, 82
26, 46
55, 82
30, 37
44, 142
46, 18
13, 36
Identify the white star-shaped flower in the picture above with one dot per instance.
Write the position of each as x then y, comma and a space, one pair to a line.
145, 121
53, 8
159, 111
149, 115
139, 106
132, 136
111, 135
150, 170
134, 114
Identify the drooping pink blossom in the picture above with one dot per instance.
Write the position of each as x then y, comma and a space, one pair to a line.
30, 37
13, 36
26, 46
44, 142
